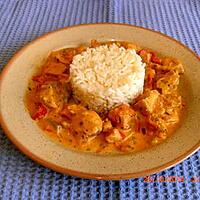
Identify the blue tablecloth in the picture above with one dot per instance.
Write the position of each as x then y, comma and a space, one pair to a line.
23, 20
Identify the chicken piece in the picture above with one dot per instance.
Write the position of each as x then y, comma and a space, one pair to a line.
168, 83
156, 124
171, 119
148, 104
169, 64
113, 136
54, 68
161, 123
54, 116
51, 97
87, 124
70, 110
171, 102
65, 56
166, 113
122, 116
107, 125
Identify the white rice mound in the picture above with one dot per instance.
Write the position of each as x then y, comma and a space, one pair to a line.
106, 76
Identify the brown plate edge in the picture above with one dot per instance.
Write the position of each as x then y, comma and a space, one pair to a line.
82, 174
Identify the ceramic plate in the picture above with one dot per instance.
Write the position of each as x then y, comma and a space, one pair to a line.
28, 137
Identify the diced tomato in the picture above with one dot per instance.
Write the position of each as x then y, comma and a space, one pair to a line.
155, 59
40, 113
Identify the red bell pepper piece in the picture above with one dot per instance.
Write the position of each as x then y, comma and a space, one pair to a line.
40, 113
143, 52
155, 59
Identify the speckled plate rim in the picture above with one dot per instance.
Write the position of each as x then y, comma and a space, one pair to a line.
81, 174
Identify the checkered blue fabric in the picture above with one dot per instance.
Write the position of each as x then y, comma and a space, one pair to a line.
23, 20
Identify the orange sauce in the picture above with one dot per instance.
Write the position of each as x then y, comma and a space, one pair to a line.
137, 142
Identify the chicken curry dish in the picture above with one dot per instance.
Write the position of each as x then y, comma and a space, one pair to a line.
107, 97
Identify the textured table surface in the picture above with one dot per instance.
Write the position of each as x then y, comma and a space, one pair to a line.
23, 20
